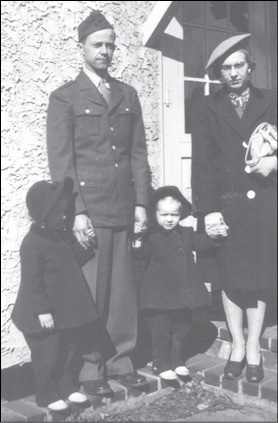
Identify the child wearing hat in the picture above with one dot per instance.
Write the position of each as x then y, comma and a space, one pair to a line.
171, 286
54, 308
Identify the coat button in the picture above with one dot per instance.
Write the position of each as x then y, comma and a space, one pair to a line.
245, 145
87, 111
112, 129
127, 109
116, 165
247, 169
251, 194
82, 183
113, 147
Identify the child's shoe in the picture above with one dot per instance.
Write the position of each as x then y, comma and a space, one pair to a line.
168, 375
182, 371
77, 398
59, 405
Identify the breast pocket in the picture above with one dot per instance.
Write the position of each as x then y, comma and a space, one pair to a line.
125, 116
88, 121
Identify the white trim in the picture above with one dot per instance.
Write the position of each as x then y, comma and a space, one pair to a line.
157, 21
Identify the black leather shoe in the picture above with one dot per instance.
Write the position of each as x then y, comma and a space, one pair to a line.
233, 369
97, 387
255, 372
132, 380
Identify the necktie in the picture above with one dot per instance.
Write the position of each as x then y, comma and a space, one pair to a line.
105, 91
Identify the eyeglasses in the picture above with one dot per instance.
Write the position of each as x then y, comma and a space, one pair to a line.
237, 66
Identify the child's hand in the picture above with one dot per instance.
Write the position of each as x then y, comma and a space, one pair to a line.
215, 226
137, 241
46, 321
138, 229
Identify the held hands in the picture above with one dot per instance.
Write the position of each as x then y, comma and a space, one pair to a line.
140, 220
46, 321
140, 226
83, 230
215, 226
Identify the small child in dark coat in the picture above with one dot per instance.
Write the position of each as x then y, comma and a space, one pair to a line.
171, 286
54, 307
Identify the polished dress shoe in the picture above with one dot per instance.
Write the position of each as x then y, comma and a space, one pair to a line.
255, 372
98, 387
131, 380
233, 369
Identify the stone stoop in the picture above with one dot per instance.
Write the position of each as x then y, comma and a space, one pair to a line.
26, 409
211, 364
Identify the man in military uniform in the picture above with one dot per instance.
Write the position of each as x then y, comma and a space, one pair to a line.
95, 134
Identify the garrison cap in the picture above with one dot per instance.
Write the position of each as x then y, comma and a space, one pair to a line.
93, 23
226, 48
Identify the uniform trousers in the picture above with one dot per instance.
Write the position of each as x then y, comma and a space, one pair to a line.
109, 276
169, 329
54, 355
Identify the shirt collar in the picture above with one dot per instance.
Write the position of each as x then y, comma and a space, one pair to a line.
94, 77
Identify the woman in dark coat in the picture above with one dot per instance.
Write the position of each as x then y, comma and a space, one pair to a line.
54, 308
171, 286
224, 188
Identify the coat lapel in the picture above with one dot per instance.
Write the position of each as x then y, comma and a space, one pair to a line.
256, 106
116, 94
89, 90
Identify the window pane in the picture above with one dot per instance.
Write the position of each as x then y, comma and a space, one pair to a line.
194, 52
193, 12
216, 14
214, 38
238, 16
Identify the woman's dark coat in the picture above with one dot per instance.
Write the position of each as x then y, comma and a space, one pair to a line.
171, 280
247, 261
52, 282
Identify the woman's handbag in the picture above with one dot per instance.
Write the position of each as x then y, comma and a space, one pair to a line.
262, 143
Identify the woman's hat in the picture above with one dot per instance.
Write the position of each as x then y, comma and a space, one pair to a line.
171, 191
43, 195
227, 47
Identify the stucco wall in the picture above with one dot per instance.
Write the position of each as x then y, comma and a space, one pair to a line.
39, 53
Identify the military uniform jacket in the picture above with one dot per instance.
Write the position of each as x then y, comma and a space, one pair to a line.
247, 261
52, 282
102, 148
172, 280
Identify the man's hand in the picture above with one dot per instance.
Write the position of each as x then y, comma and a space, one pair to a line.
141, 220
46, 321
215, 226
83, 230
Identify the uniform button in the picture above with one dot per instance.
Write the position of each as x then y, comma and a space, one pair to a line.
247, 169
251, 194
116, 165
245, 145
87, 111
112, 129
82, 183
127, 109
113, 147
